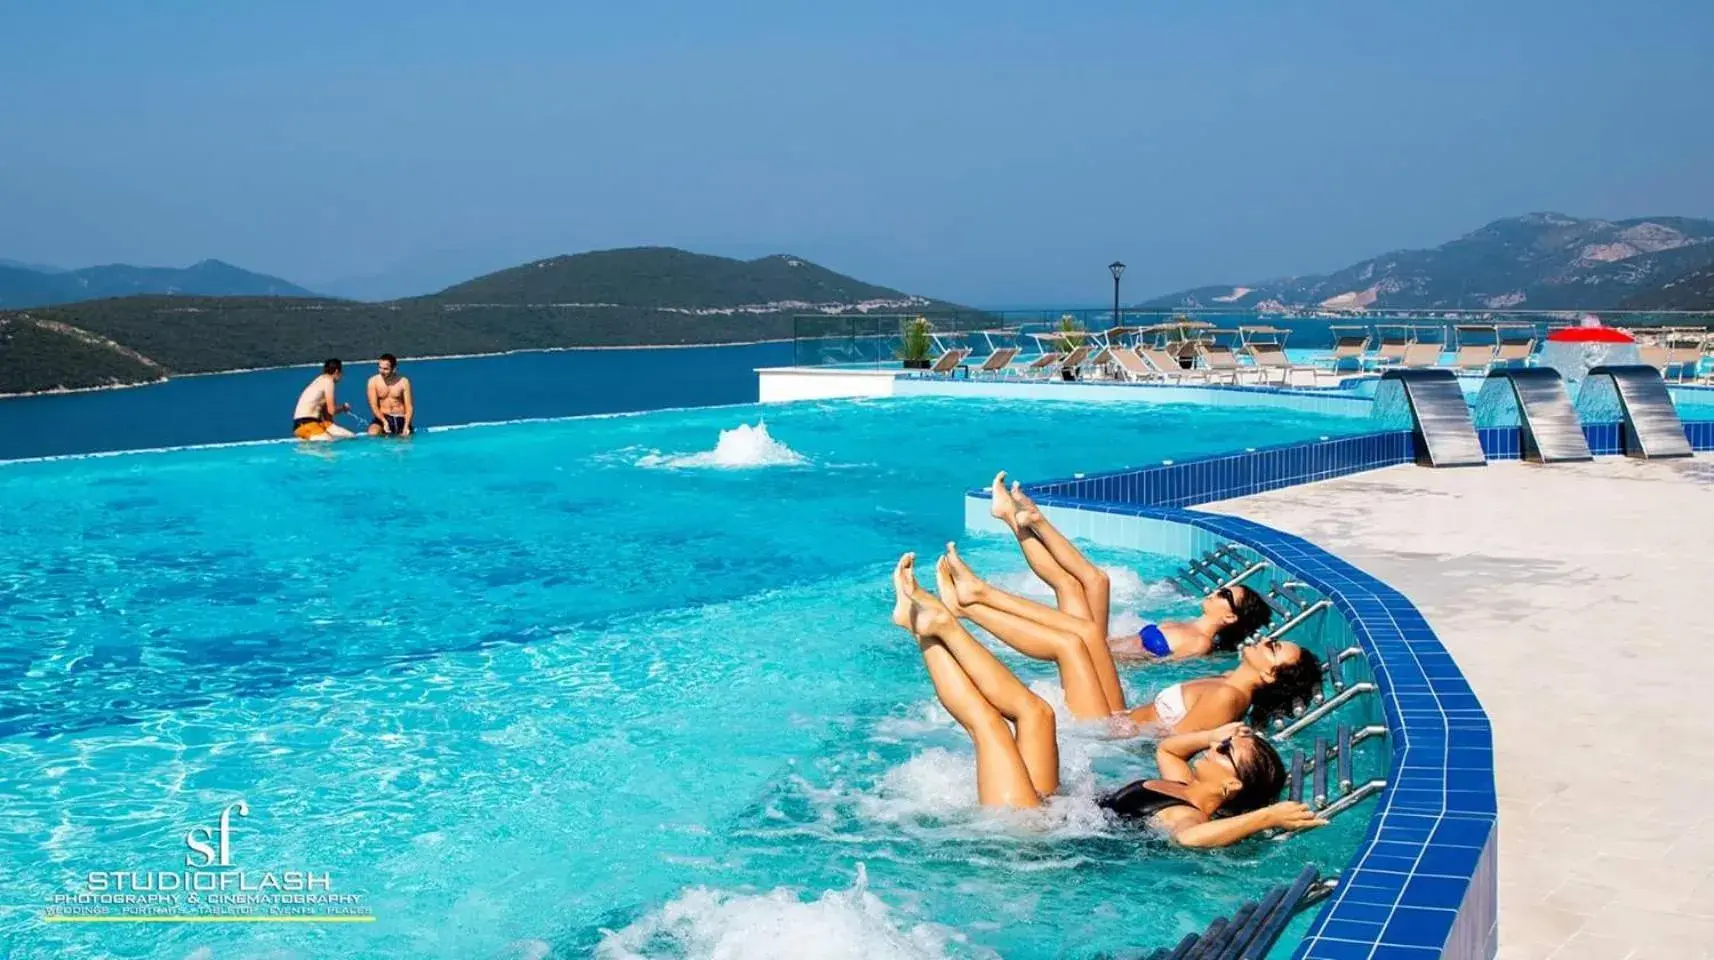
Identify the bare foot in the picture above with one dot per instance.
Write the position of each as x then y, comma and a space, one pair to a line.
929, 615
946, 588
1028, 514
1021, 498
914, 608
904, 584
966, 584
1002, 506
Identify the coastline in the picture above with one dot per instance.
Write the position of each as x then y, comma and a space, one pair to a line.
58, 391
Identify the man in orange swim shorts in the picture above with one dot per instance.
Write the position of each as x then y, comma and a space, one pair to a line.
312, 419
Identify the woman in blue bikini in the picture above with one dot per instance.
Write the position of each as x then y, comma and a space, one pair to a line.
1271, 678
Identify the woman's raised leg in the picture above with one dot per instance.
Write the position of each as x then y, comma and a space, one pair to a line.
973, 595
1067, 589
1036, 734
1097, 589
1083, 692
1002, 777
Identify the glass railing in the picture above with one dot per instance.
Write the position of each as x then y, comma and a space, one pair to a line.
822, 339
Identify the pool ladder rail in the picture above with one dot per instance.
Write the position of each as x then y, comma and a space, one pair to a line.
1311, 770
1254, 928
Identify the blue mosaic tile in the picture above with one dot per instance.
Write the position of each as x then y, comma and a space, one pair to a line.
1387, 951
1444, 892
1418, 927
1202, 480
1338, 950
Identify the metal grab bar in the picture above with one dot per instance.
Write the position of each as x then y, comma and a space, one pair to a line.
1325, 707
1357, 736
1297, 619
1353, 798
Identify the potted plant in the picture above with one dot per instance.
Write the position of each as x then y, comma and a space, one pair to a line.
917, 344
1073, 334
1072, 331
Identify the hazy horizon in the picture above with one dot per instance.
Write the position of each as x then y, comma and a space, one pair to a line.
991, 154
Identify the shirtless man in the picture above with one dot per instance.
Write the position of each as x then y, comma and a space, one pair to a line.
390, 401
312, 418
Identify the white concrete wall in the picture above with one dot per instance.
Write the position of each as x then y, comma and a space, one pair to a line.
785, 384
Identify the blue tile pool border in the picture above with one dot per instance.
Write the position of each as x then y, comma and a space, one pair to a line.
1205, 479
1434, 888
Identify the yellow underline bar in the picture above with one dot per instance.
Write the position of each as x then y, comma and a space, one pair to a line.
53, 918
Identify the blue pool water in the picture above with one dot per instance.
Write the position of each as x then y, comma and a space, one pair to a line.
257, 405
590, 687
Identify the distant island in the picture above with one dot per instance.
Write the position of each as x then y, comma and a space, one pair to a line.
30, 285
645, 296
1540, 261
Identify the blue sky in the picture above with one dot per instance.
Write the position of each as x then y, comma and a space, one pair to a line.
992, 152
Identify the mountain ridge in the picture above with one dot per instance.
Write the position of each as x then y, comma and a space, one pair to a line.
1543, 261
22, 285
647, 296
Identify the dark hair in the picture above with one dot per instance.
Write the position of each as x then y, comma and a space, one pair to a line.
390, 359
1263, 775
1295, 686
1253, 613
332, 366
1261, 771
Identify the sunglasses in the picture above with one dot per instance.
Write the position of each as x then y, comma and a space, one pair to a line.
1225, 593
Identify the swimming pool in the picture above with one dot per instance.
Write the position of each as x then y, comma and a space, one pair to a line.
596, 686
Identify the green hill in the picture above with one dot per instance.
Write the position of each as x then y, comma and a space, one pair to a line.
666, 278
638, 297
40, 355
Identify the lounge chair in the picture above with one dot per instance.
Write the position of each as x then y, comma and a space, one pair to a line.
1167, 367
1270, 358
1349, 347
949, 361
1514, 353
1068, 367
1686, 355
1103, 361
1655, 355
1418, 356
1134, 368
1039, 367
1220, 361
1391, 350
1474, 358
997, 362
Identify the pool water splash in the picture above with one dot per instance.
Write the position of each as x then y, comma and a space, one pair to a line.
741, 448
850, 924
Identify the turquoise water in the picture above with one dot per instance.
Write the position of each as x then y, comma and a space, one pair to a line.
593, 687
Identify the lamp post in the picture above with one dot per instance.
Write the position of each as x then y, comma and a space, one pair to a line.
1117, 269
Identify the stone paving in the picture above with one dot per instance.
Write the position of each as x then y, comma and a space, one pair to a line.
1579, 601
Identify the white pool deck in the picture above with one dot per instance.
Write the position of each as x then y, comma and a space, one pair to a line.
1576, 598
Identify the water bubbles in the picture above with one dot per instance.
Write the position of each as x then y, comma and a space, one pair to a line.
741, 448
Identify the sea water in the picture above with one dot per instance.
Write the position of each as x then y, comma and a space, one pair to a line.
616, 687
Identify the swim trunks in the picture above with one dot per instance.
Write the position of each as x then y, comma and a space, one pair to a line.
308, 428
395, 425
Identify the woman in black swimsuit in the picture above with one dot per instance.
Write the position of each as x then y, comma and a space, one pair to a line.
1212, 800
